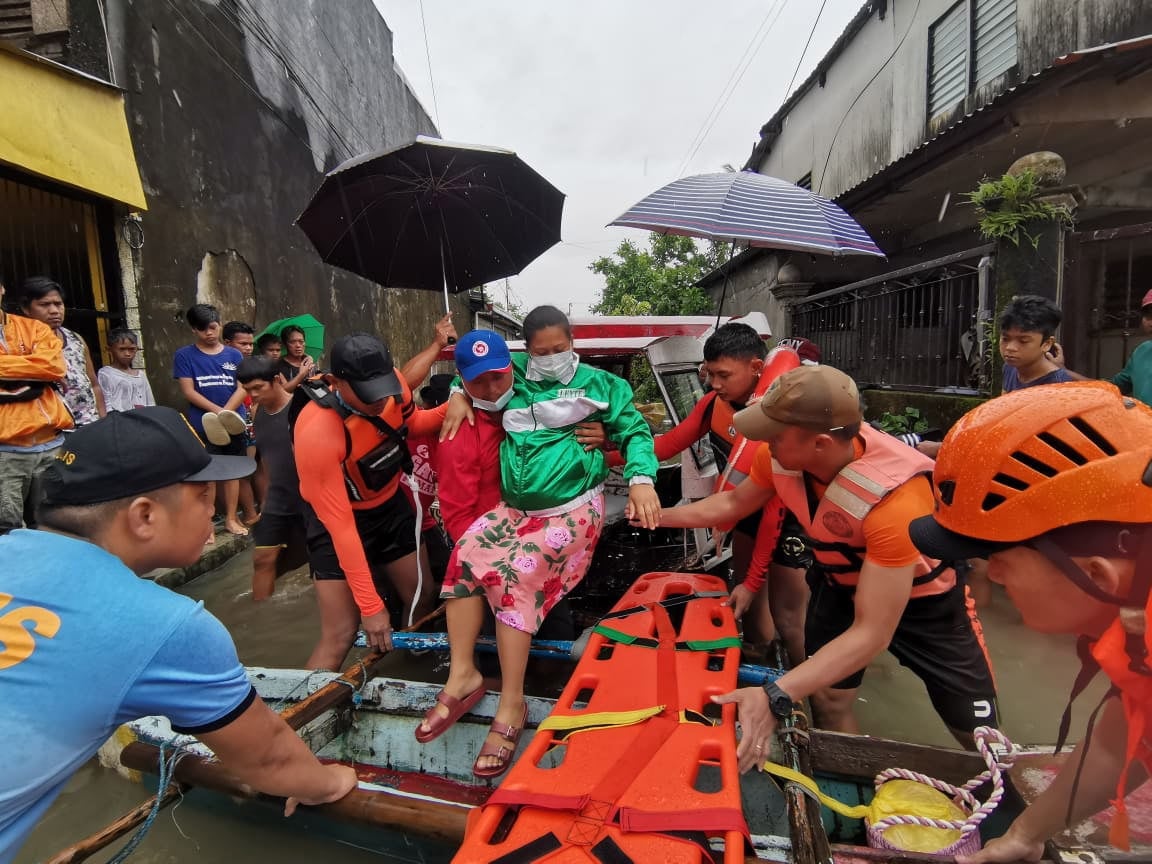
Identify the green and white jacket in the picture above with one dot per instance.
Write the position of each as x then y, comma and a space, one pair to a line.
544, 470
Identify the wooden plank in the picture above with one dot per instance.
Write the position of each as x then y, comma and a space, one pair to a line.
438, 821
863, 757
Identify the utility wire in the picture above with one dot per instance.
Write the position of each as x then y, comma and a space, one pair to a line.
228, 39
864, 90
734, 79
242, 80
811, 33
428, 59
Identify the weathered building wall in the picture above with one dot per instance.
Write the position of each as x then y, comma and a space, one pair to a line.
872, 109
237, 108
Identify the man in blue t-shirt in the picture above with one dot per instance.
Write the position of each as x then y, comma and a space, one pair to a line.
87, 645
206, 370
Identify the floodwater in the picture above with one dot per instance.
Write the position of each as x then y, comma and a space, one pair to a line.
1034, 674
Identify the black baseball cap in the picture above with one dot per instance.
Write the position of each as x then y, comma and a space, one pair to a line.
132, 452
366, 364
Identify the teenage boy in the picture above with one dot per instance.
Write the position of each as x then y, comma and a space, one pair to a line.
734, 363
1027, 341
125, 387
281, 528
238, 335
1052, 485
128, 493
854, 490
206, 370
268, 346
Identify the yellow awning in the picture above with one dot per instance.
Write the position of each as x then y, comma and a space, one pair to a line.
67, 127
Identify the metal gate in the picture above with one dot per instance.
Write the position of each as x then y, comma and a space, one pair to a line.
1109, 272
921, 328
43, 233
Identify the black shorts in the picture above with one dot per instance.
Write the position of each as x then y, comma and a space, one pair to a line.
936, 639
276, 529
235, 447
792, 548
387, 531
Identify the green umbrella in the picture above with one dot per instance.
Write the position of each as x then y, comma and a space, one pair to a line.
313, 333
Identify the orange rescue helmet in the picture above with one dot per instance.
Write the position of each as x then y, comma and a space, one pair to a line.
1035, 461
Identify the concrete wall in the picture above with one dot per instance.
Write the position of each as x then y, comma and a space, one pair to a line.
230, 150
872, 108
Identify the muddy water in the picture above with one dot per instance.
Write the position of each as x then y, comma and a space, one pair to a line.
1034, 673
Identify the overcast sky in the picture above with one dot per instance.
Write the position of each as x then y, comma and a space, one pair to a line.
605, 98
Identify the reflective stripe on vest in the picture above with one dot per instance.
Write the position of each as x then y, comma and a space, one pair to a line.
837, 528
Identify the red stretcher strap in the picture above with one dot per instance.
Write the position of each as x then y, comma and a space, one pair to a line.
713, 821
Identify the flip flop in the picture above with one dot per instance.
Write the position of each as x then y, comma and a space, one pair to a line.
214, 430
232, 422
503, 752
457, 708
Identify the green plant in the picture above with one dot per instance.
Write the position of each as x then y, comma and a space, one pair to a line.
1007, 205
901, 424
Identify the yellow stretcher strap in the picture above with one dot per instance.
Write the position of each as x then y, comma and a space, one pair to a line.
860, 811
573, 723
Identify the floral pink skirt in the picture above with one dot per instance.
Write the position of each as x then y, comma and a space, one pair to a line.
524, 564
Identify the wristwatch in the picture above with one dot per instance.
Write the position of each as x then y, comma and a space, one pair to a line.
779, 702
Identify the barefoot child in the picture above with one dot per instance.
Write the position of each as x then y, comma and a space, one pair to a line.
124, 387
535, 547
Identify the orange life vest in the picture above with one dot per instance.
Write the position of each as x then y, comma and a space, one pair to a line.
741, 452
835, 525
1112, 652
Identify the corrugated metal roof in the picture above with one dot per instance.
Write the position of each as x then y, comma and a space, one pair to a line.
1138, 44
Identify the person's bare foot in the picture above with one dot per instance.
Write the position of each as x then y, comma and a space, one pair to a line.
233, 526
510, 712
250, 519
458, 687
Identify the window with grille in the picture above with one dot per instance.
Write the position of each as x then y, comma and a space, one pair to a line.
971, 44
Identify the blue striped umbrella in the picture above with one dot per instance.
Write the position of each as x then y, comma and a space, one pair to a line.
751, 208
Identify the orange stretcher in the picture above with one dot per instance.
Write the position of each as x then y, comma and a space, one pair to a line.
635, 763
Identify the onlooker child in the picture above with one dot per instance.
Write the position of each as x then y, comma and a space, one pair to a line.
1027, 342
268, 346
281, 526
43, 300
206, 371
124, 387
1135, 379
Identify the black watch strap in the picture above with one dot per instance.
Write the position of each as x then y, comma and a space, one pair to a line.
779, 702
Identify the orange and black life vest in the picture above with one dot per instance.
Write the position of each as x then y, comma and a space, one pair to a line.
376, 449
834, 523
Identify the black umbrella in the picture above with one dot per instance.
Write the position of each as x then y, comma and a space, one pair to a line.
433, 215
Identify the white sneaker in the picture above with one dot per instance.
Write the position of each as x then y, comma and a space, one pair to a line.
232, 422
214, 430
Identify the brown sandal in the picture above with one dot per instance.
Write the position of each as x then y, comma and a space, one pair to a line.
438, 724
503, 752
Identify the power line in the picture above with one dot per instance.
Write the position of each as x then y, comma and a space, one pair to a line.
428, 59
241, 79
811, 33
863, 90
734, 79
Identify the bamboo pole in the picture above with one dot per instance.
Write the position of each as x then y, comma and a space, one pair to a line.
332, 694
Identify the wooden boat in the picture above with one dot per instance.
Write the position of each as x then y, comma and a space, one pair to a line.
376, 737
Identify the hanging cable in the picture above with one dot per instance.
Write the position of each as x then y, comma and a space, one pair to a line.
428, 59
734, 79
811, 33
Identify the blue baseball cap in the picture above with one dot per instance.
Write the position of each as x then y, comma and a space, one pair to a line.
480, 351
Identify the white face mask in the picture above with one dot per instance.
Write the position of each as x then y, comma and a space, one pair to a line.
498, 405
553, 367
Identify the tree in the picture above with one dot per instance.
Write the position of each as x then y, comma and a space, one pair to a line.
659, 281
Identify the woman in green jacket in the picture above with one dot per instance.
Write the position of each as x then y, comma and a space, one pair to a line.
535, 547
